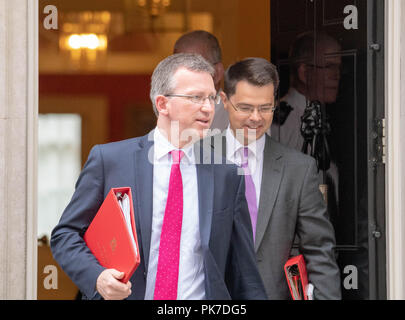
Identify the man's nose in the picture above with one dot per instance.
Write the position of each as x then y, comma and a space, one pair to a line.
207, 106
334, 72
256, 115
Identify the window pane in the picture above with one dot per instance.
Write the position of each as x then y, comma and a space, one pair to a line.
59, 165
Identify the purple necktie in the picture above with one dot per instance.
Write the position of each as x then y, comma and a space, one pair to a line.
250, 191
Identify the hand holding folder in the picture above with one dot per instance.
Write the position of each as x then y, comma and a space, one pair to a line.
111, 236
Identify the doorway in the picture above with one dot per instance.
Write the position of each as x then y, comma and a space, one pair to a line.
330, 54
356, 199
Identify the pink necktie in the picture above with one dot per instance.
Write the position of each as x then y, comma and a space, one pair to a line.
169, 248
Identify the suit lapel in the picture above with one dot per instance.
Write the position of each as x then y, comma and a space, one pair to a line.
271, 179
205, 182
143, 187
144, 191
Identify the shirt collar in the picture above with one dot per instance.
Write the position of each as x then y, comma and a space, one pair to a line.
233, 146
162, 148
295, 99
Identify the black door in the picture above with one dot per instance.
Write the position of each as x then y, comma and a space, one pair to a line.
330, 57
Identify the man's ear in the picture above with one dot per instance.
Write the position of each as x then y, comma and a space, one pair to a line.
224, 99
219, 74
302, 73
161, 105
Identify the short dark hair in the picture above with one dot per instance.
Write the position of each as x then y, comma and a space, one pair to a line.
256, 71
200, 38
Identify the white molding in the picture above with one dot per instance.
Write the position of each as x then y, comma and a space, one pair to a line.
32, 147
395, 192
3, 147
18, 148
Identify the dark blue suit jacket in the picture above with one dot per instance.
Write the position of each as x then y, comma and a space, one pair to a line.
226, 233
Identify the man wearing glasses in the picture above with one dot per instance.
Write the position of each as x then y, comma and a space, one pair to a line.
191, 217
281, 184
315, 73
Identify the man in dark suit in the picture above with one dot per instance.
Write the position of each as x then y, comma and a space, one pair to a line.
192, 219
281, 184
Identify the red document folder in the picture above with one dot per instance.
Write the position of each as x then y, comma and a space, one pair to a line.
297, 278
108, 236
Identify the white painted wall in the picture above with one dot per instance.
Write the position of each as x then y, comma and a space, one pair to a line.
18, 145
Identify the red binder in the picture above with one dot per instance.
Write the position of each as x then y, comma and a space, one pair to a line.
108, 237
297, 279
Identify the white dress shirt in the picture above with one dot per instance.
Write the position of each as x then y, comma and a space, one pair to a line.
255, 158
289, 134
191, 272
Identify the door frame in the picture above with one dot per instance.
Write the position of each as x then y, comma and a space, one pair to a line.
32, 150
376, 157
395, 111
394, 102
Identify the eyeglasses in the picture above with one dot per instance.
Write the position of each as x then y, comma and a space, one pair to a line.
248, 108
197, 99
328, 67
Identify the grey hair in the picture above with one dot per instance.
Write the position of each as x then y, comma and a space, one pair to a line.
162, 78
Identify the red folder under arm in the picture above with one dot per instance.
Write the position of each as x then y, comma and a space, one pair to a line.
109, 239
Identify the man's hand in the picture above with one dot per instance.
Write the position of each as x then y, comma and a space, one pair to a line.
109, 286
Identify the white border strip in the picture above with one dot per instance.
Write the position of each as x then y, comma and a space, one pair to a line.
395, 219
32, 147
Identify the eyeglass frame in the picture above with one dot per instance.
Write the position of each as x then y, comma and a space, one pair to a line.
211, 98
272, 109
329, 67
